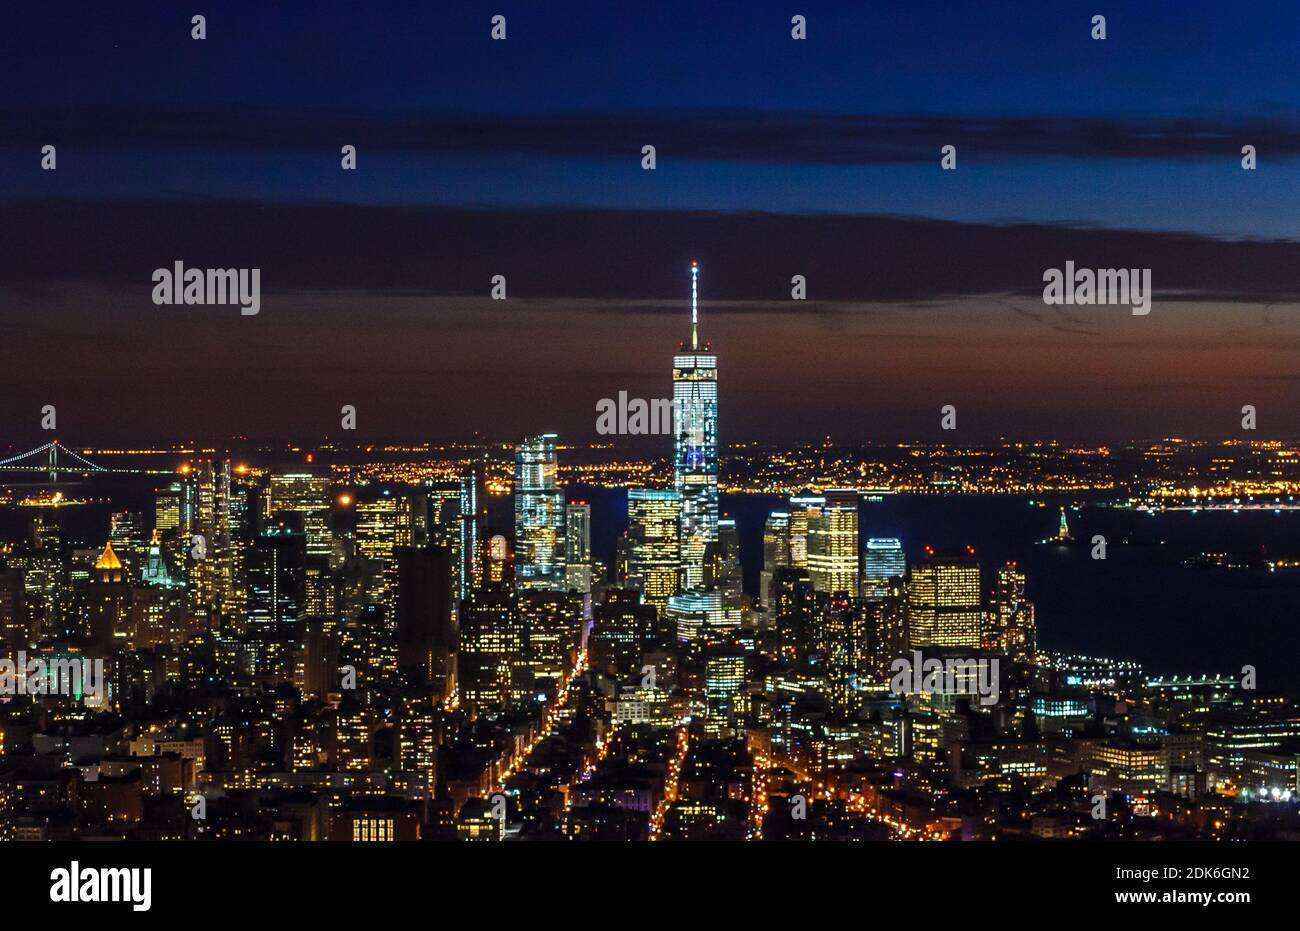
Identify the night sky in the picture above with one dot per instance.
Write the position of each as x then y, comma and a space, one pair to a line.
775, 158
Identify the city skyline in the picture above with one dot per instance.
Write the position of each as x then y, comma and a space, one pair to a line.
735, 423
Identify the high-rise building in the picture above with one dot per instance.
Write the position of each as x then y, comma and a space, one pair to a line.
317, 668
155, 569
798, 509
445, 526
833, 543
385, 522
46, 588
695, 448
539, 515
492, 654
173, 507
175, 515
840, 640
552, 623
368, 642
793, 605
724, 689
624, 630
473, 530
242, 527
944, 603
277, 595
696, 615
158, 602
882, 559
577, 547
776, 553
108, 604
722, 570
276, 580
654, 548
1013, 630
425, 637
307, 492
355, 728
887, 628
223, 522
498, 563
419, 734
211, 567
15, 627
126, 533
322, 592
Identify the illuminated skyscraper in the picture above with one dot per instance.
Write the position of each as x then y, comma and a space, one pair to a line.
552, 623
839, 637
1013, 629
216, 566
154, 569
724, 689
493, 651
355, 728
173, 506
833, 543
126, 533
798, 511
444, 528
695, 447
577, 546
108, 602
473, 528
943, 601
793, 603
45, 577
882, 560
722, 571
276, 580
277, 594
175, 514
776, 553
696, 615
654, 549
498, 563
385, 522
305, 492
539, 515
419, 732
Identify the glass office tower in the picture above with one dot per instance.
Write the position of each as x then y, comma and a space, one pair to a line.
695, 444
539, 515
882, 559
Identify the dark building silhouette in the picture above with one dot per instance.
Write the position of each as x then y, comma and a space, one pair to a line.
425, 637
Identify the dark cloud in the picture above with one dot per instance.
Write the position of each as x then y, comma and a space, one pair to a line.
721, 136
624, 255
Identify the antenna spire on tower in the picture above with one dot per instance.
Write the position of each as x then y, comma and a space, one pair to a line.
695, 305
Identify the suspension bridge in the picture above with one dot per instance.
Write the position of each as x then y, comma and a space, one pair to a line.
54, 458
